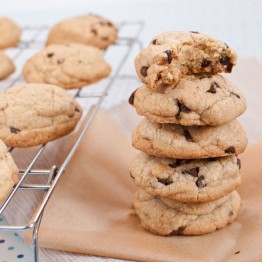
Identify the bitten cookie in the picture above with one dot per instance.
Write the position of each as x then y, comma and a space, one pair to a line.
166, 217
176, 141
86, 29
172, 55
68, 66
34, 114
196, 180
8, 172
194, 101
10, 33
7, 67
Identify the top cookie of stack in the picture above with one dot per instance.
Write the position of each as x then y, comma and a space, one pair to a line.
180, 71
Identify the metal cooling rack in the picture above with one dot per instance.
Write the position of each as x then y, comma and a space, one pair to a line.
35, 41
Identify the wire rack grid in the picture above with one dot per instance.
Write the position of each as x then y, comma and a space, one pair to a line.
32, 42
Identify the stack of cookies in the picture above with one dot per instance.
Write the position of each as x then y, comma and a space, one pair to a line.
189, 170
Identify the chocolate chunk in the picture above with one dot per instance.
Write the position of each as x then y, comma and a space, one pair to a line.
154, 42
77, 109
178, 231
143, 71
239, 163
132, 175
237, 252
187, 135
194, 32
201, 182
193, 171
230, 150
235, 94
169, 56
205, 62
94, 31
50, 55
60, 61
14, 130
224, 60
176, 163
230, 213
132, 98
105, 38
181, 108
164, 181
229, 68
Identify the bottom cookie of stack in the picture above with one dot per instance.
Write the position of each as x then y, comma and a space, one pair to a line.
167, 217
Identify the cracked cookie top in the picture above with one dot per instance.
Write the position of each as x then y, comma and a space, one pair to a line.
193, 180
172, 55
89, 29
68, 66
193, 101
176, 141
34, 114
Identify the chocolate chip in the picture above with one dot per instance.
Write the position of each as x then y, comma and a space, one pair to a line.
169, 56
235, 94
193, 171
205, 62
187, 135
77, 109
176, 163
226, 45
224, 60
109, 23
181, 108
201, 182
14, 130
237, 252
50, 55
230, 213
239, 163
94, 31
178, 231
212, 89
105, 38
143, 71
229, 68
164, 181
230, 150
132, 98
132, 175
194, 32
154, 42
60, 61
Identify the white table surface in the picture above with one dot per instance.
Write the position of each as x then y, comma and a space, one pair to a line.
237, 22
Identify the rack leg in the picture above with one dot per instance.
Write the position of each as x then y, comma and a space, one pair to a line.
35, 239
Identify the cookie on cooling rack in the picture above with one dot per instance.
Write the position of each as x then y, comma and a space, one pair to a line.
7, 67
10, 33
86, 29
34, 114
68, 66
8, 172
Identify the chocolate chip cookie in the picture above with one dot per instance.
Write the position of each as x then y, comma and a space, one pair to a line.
8, 172
68, 66
193, 101
176, 141
194, 180
10, 33
86, 29
172, 55
34, 114
168, 217
7, 67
